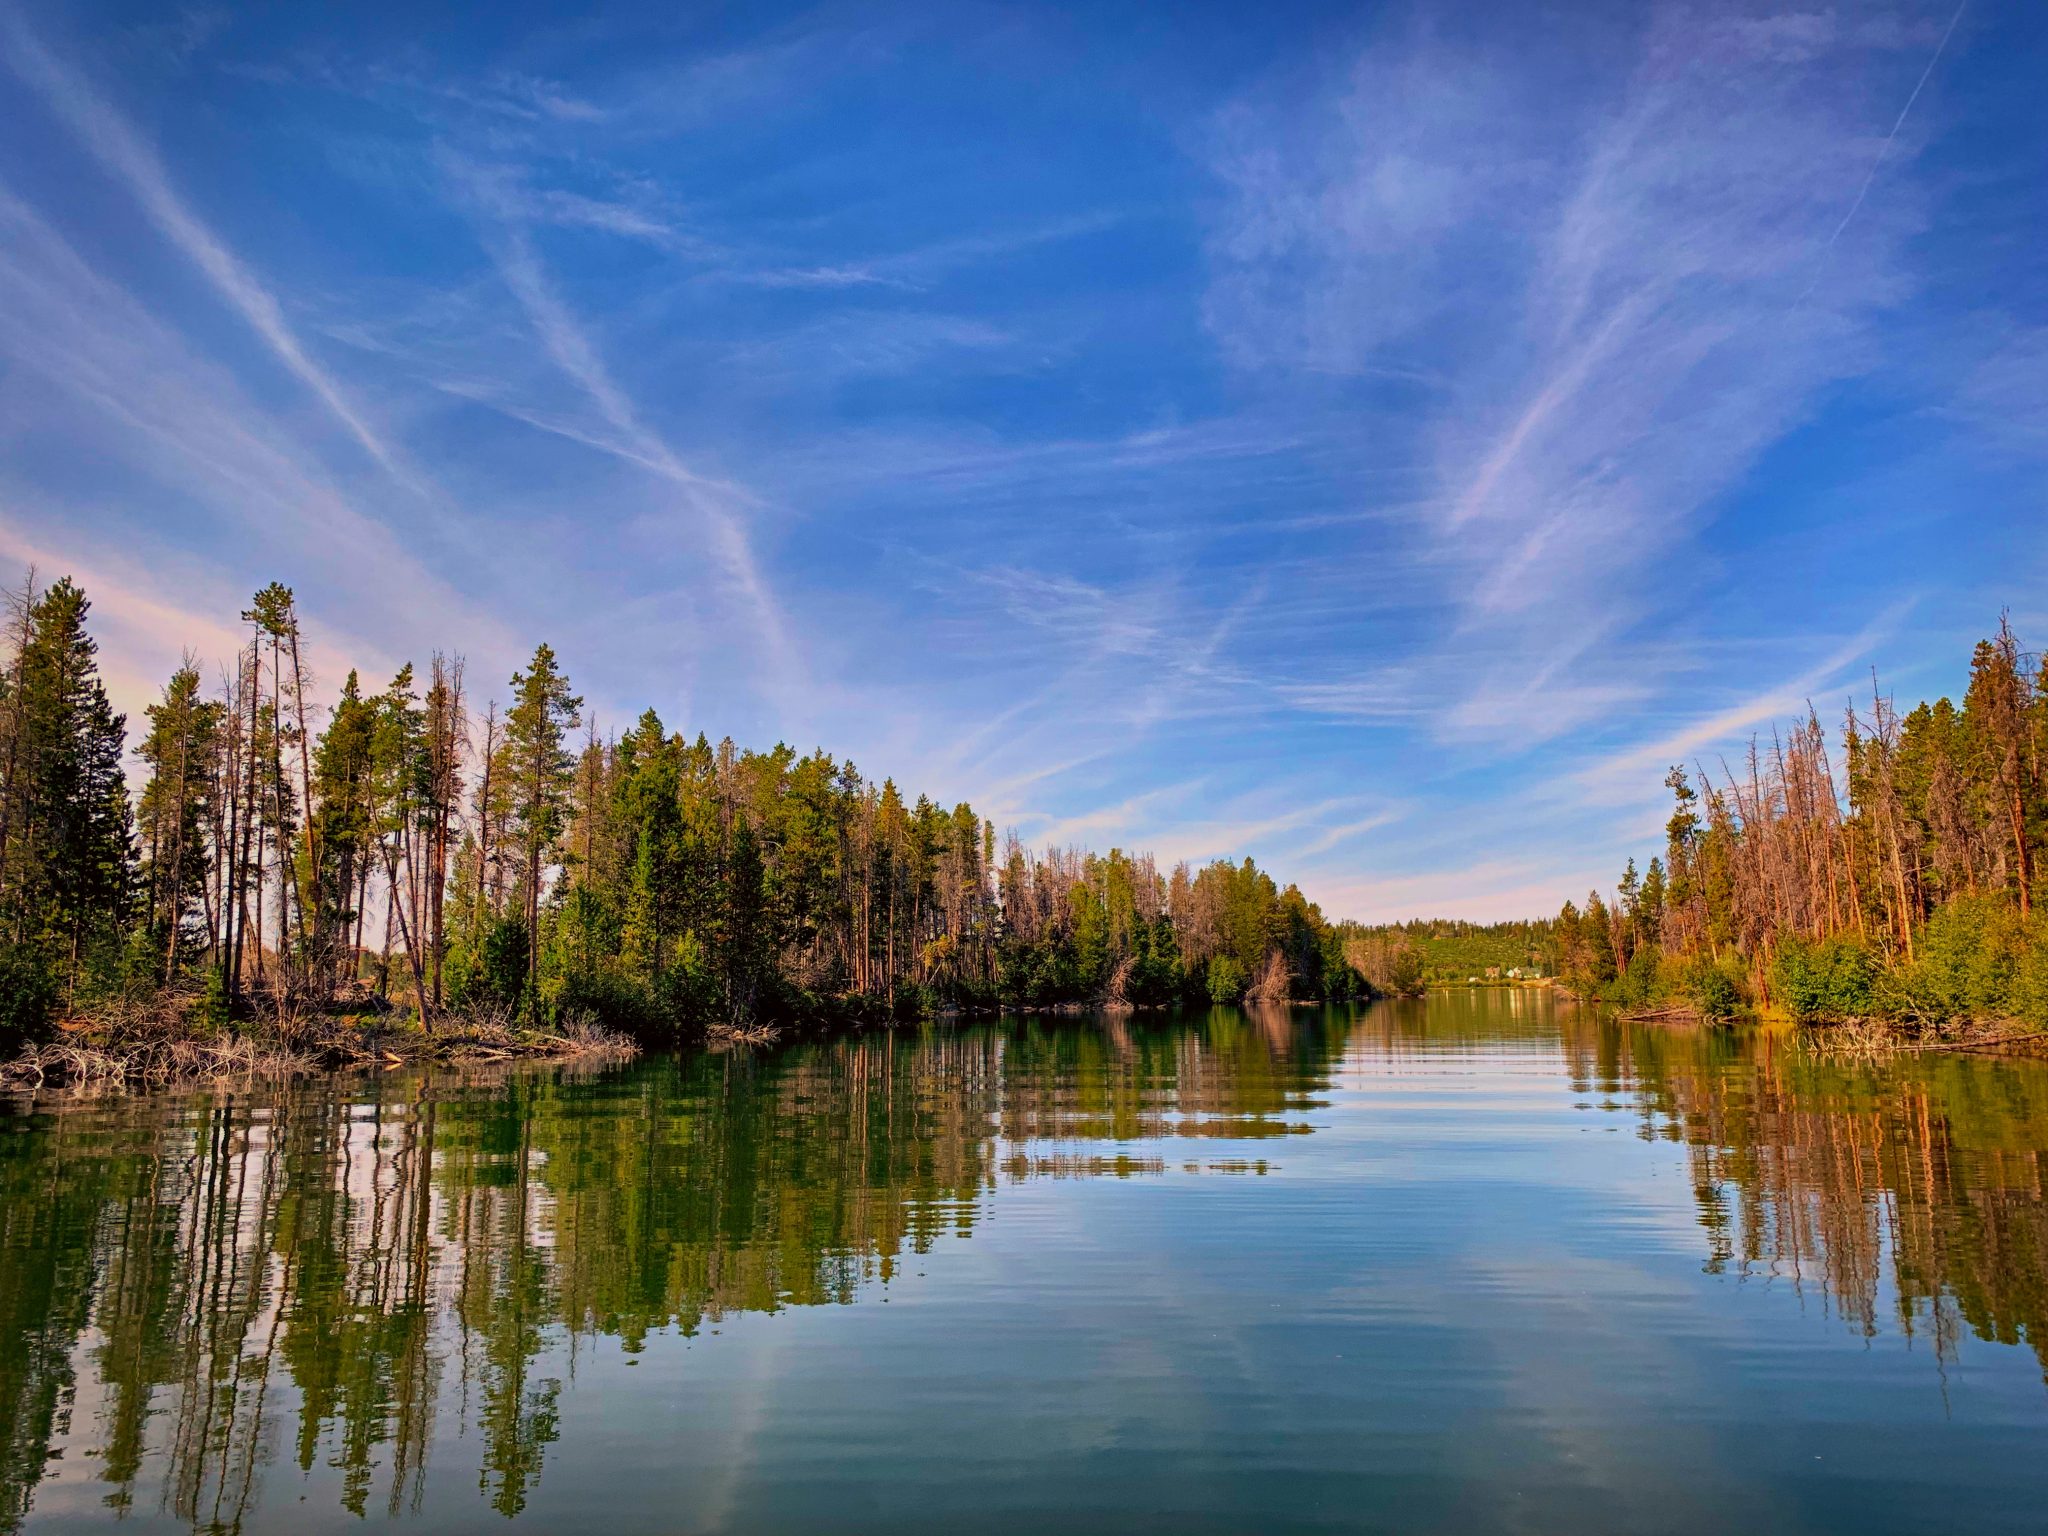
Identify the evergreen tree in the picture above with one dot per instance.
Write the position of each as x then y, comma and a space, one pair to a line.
342, 779
66, 826
174, 813
1650, 904
539, 773
1597, 934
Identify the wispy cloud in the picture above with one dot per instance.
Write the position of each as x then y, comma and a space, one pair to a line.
853, 276
1482, 892
1361, 498
142, 629
542, 195
2004, 396
1390, 695
113, 375
718, 506
1337, 836
1615, 273
923, 267
122, 151
1634, 772
185, 34
1090, 826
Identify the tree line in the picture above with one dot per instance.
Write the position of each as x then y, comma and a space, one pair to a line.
1893, 872
408, 847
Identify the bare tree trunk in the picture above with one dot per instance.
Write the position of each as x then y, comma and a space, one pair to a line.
412, 955
255, 689
314, 926
178, 856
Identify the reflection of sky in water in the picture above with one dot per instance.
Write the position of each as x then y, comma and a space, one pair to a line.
1475, 1264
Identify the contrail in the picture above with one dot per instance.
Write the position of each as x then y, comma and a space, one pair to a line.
108, 137
1883, 150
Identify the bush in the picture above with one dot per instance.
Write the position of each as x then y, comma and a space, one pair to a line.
1834, 979
1968, 963
1227, 980
686, 993
1642, 984
1341, 982
28, 999
2030, 983
914, 1001
1712, 989
615, 1001
1406, 975
491, 973
211, 1012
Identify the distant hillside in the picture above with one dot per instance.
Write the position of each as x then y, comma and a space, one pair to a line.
1455, 950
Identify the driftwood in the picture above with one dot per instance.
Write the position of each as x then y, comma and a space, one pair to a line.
1273, 983
1881, 1037
135, 1047
1115, 993
1669, 1013
742, 1034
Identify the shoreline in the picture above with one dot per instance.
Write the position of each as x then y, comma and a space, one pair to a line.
90, 1061
1861, 1036
91, 1058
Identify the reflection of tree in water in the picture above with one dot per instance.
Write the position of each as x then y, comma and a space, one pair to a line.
360, 1261
1926, 1171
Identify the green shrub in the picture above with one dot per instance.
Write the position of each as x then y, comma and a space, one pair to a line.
211, 1012
1406, 973
615, 1001
1153, 977
686, 993
1227, 980
2030, 983
1641, 984
1967, 963
1833, 979
491, 972
1712, 989
1342, 982
28, 999
915, 1000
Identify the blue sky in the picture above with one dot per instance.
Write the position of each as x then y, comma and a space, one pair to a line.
1375, 438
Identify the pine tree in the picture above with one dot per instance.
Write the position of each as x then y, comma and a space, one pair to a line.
398, 780
1998, 716
175, 811
343, 769
539, 773
1650, 904
1597, 933
67, 860
276, 620
447, 733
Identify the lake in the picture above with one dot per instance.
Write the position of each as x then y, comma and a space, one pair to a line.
1485, 1262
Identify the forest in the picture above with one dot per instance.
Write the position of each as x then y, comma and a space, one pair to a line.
1889, 875
408, 851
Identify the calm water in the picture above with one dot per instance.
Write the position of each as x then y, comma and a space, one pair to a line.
1481, 1263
